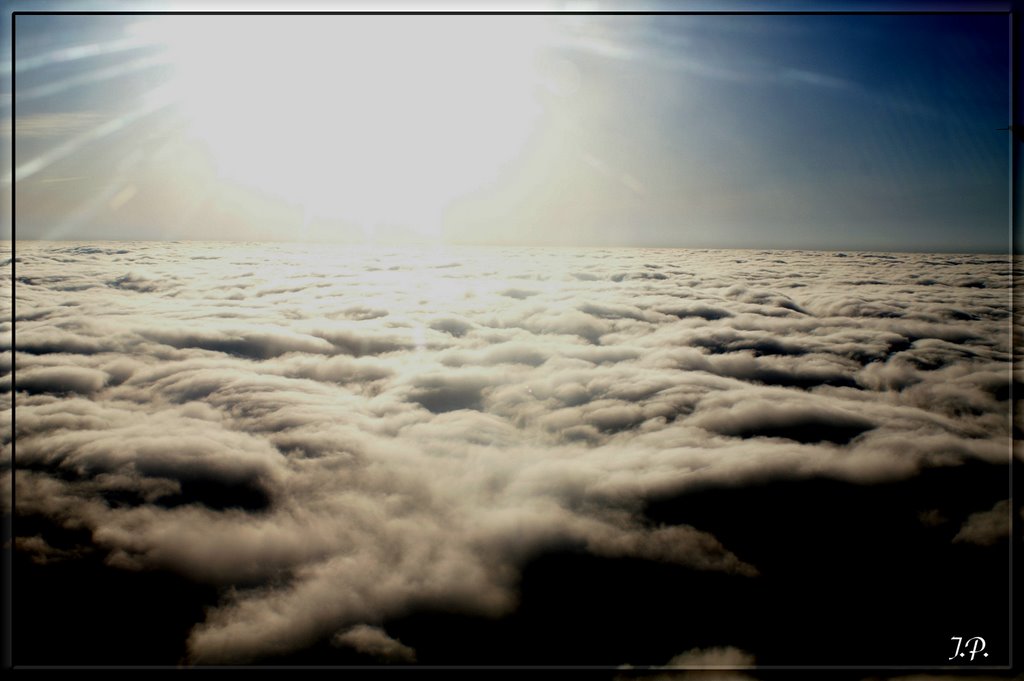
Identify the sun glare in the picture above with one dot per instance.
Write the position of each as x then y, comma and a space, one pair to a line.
376, 120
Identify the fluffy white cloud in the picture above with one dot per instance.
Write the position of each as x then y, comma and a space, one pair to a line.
362, 432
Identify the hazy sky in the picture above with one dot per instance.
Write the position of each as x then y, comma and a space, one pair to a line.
786, 131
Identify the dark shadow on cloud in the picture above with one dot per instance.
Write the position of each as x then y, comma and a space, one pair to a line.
360, 344
767, 299
258, 346
518, 293
608, 355
769, 346
297, 288
219, 495
806, 431
54, 283
125, 498
440, 400
134, 282
34, 315
612, 421
441, 393
215, 486
641, 275
92, 250
796, 422
787, 378
359, 313
855, 557
611, 311
83, 612
705, 312
40, 344
456, 327
60, 380
933, 355
574, 609
897, 346
1003, 391
759, 346
856, 307
245, 347
505, 353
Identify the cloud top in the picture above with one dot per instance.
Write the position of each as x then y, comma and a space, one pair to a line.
340, 436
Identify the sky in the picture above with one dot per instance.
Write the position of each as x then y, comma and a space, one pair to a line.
871, 132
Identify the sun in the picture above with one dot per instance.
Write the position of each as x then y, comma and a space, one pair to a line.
377, 120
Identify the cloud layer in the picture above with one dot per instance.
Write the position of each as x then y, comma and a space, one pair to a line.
337, 436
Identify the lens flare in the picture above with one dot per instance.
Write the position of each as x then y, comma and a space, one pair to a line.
381, 121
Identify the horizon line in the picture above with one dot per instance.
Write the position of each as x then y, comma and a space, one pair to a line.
444, 244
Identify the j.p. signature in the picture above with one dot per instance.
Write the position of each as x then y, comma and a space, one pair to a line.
973, 645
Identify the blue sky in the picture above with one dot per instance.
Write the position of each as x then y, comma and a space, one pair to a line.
873, 132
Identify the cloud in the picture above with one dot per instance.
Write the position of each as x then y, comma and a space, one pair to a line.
985, 528
252, 344
682, 545
135, 282
353, 343
375, 642
713, 657
712, 664
782, 417
456, 327
519, 293
41, 552
332, 441
61, 379
443, 392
